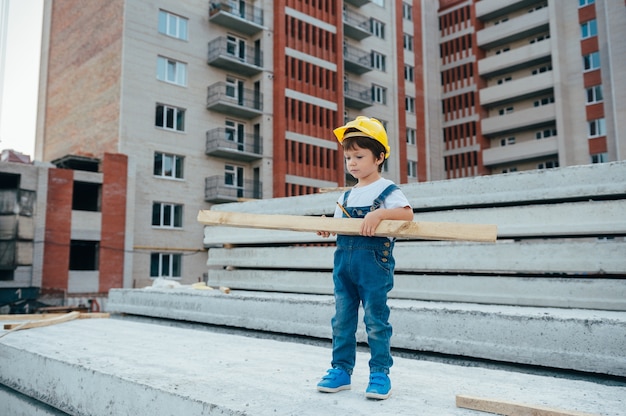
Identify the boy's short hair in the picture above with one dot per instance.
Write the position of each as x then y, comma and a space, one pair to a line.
365, 142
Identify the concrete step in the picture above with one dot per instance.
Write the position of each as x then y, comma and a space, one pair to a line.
574, 339
120, 366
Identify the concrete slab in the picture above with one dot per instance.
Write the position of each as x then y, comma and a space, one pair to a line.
577, 339
118, 366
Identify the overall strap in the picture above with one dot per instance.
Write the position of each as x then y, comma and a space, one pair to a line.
383, 195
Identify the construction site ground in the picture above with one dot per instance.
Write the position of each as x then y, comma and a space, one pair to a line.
128, 365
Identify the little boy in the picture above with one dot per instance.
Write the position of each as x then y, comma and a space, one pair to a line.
364, 264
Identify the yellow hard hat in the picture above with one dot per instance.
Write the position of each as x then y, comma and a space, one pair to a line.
366, 126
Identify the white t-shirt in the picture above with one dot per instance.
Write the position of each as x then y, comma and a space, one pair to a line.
365, 196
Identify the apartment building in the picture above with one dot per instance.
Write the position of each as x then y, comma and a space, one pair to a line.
531, 84
220, 100
62, 230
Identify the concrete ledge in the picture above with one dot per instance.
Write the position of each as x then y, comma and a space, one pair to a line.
582, 340
115, 366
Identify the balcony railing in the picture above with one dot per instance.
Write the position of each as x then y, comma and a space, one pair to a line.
239, 16
244, 61
221, 142
235, 101
358, 3
217, 191
357, 96
356, 60
356, 25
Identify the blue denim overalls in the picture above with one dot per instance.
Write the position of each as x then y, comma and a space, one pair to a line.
363, 272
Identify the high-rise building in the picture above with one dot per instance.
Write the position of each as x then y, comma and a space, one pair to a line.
221, 100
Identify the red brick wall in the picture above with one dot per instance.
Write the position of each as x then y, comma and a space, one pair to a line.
83, 87
114, 191
56, 252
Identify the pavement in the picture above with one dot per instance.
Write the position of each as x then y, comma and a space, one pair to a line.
122, 366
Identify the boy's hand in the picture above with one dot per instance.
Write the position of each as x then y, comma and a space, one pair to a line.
325, 234
370, 222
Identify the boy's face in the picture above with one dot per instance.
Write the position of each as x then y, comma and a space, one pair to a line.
362, 164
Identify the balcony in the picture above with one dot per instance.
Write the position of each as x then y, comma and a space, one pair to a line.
520, 152
514, 29
357, 96
491, 9
234, 100
516, 90
526, 56
357, 3
355, 25
519, 120
222, 143
239, 16
217, 191
246, 61
356, 60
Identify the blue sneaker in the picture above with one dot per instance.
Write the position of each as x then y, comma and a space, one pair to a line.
335, 380
379, 387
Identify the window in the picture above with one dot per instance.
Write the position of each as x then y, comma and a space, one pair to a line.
545, 134
167, 215
171, 118
379, 61
549, 164
591, 61
165, 265
597, 128
600, 158
86, 196
407, 11
504, 111
582, 3
539, 38
410, 135
377, 28
589, 29
172, 71
410, 104
235, 132
233, 178
544, 101
505, 79
507, 141
172, 25
541, 69
168, 166
594, 94
408, 42
412, 169
379, 94
84, 255
236, 47
409, 73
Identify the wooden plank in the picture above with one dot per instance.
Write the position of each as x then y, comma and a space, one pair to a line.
43, 322
39, 316
351, 226
504, 407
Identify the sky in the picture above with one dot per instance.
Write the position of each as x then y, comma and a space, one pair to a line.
18, 107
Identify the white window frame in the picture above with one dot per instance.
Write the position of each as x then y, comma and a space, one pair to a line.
600, 157
172, 71
236, 47
377, 28
407, 11
173, 25
407, 41
507, 141
591, 61
379, 61
544, 134
409, 103
412, 168
172, 166
583, 3
379, 94
595, 94
411, 135
168, 264
409, 73
548, 164
169, 215
173, 118
597, 128
589, 29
